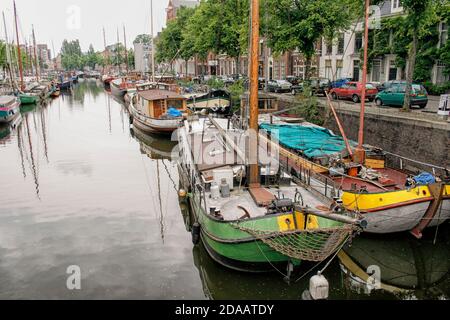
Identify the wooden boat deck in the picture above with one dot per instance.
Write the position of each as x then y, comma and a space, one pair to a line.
242, 198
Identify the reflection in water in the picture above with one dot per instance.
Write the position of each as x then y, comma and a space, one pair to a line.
34, 169
158, 150
407, 267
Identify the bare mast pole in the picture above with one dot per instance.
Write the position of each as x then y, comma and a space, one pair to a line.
104, 45
152, 42
36, 59
254, 111
8, 55
118, 51
19, 54
359, 152
126, 50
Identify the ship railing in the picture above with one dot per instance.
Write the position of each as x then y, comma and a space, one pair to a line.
405, 164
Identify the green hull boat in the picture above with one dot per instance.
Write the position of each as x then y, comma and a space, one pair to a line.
28, 99
252, 229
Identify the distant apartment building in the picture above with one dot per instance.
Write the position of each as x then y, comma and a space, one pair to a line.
175, 5
341, 58
142, 56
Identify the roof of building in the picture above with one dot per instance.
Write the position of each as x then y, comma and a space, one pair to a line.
184, 3
157, 94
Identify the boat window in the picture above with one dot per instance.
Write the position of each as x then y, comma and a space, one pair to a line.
177, 104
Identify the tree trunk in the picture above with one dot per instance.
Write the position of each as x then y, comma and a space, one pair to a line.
187, 67
308, 68
410, 72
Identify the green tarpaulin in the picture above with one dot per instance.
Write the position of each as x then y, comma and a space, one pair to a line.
314, 142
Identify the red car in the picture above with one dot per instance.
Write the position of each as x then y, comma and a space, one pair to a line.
353, 91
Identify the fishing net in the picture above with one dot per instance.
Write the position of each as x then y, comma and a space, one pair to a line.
309, 244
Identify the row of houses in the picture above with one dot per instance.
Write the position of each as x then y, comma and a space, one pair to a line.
339, 59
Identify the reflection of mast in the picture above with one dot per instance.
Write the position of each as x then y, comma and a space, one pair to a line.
20, 146
33, 165
44, 134
109, 114
161, 218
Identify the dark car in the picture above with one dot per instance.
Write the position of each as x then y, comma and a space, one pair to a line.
293, 80
317, 85
279, 86
340, 82
391, 84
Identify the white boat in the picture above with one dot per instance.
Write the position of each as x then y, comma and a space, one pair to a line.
9, 108
157, 108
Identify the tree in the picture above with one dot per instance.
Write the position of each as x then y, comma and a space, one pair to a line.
301, 24
420, 15
219, 26
143, 38
173, 39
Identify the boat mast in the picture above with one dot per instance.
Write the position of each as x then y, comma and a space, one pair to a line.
54, 56
254, 112
152, 42
8, 54
36, 59
104, 44
126, 50
19, 55
359, 152
118, 51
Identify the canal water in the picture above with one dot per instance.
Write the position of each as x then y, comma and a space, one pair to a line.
79, 187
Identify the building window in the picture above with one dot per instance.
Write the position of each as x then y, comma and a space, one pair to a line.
356, 70
358, 41
328, 69
440, 76
392, 71
396, 6
329, 48
339, 67
341, 44
443, 34
283, 69
376, 70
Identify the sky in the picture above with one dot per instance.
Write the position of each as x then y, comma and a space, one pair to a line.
55, 20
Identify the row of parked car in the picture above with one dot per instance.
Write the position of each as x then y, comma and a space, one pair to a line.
391, 93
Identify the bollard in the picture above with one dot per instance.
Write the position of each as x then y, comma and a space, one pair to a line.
319, 287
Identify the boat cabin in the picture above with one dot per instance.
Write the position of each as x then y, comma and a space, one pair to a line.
266, 103
156, 100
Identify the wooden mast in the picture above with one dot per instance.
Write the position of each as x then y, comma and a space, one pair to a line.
106, 54
19, 54
36, 60
152, 42
8, 55
126, 50
359, 152
254, 112
118, 51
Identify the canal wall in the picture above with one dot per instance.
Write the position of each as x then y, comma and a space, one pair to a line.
417, 136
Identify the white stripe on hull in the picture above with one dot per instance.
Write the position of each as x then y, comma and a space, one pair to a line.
404, 218
442, 214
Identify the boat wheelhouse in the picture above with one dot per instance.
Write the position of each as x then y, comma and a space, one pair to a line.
215, 101
157, 108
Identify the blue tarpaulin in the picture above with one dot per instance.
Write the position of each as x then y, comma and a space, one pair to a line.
424, 179
314, 142
174, 113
